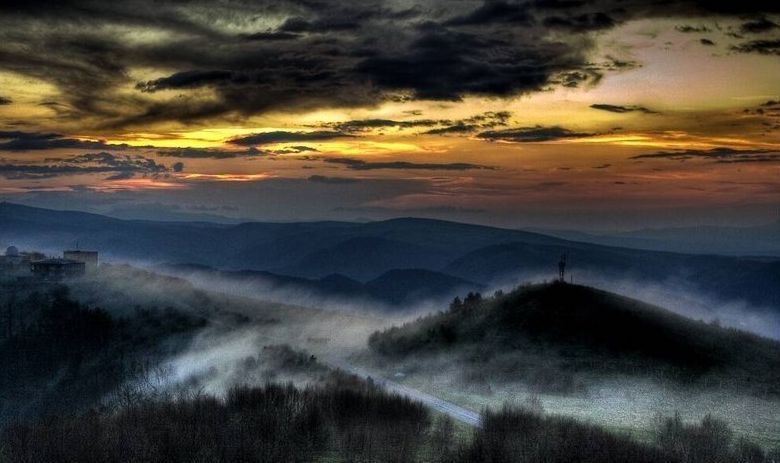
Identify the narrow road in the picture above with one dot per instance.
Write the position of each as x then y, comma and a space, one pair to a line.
454, 411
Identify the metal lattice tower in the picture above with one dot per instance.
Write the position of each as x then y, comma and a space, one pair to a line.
562, 268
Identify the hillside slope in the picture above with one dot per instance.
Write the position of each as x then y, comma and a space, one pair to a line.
397, 289
761, 240
558, 330
365, 251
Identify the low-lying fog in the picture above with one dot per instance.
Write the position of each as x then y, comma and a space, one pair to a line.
226, 354
672, 295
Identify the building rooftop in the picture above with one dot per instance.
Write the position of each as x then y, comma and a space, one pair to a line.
57, 261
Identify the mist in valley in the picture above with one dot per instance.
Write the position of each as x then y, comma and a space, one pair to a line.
253, 334
337, 331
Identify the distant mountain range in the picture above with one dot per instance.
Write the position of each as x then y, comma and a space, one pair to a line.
761, 240
399, 287
394, 260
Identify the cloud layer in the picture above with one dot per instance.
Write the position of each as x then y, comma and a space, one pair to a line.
126, 64
121, 167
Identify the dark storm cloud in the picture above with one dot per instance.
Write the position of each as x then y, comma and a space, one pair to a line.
367, 124
719, 155
688, 29
122, 167
491, 12
763, 47
5, 100
281, 136
758, 26
286, 55
581, 23
189, 79
359, 164
533, 134
622, 109
457, 128
472, 124
766, 114
480, 121
320, 26
271, 36
207, 153
443, 63
31, 141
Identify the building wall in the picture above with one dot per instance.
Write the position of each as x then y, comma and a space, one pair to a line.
90, 258
58, 270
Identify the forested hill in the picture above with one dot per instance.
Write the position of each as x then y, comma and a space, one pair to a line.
583, 330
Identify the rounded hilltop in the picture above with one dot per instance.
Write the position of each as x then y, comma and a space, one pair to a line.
578, 329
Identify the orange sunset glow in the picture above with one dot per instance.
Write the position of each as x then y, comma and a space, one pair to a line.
655, 110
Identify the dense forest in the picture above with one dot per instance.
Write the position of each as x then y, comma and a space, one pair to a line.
59, 355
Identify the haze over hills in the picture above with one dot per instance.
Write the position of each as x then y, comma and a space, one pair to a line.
554, 335
365, 252
760, 240
395, 288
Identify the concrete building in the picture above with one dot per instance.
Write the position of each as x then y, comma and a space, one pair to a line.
15, 262
11, 257
90, 258
57, 269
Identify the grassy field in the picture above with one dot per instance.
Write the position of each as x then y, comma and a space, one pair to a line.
633, 409
586, 354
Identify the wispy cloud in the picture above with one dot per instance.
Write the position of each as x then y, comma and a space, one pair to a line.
359, 164
280, 136
533, 134
32, 141
621, 109
720, 155
122, 167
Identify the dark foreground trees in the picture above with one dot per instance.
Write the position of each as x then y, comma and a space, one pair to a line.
510, 436
354, 422
348, 420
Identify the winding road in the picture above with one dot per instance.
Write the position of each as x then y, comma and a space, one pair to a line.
456, 412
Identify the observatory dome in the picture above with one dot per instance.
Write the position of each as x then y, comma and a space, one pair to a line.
11, 251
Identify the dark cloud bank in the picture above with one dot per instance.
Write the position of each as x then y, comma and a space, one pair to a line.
719, 155
33, 141
533, 134
298, 55
119, 166
622, 109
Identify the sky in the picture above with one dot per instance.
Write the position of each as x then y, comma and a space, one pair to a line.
599, 115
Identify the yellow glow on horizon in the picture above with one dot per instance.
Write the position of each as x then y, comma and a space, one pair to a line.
228, 177
138, 184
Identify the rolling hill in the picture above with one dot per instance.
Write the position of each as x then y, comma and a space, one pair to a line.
366, 251
759, 240
549, 334
397, 288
